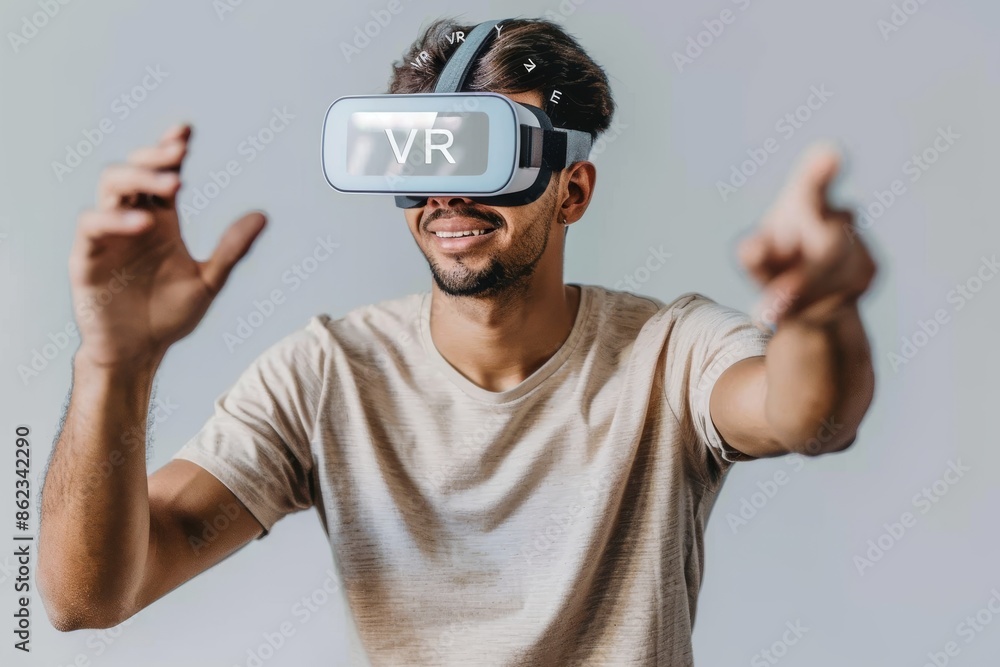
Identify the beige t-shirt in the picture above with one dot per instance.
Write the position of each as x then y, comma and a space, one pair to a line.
559, 522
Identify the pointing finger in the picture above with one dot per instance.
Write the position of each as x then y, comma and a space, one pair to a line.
813, 175
179, 132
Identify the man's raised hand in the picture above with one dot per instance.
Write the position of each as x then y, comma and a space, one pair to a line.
136, 289
801, 256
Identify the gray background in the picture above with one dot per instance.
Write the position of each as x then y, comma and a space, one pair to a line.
681, 132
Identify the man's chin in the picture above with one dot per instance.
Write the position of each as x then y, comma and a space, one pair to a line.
466, 283
465, 286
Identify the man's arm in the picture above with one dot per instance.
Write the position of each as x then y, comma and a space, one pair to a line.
810, 391
807, 395
113, 541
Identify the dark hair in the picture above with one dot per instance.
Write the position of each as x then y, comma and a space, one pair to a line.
585, 101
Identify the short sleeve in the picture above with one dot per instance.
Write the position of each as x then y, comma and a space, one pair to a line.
706, 338
257, 441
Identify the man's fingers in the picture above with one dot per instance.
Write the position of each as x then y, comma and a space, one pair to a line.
167, 156
179, 132
830, 280
847, 270
125, 181
95, 224
781, 295
752, 253
813, 175
763, 258
235, 243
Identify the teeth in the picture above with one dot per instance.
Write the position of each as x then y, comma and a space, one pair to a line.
471, 232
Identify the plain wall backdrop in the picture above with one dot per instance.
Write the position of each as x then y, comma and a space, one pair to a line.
895, 76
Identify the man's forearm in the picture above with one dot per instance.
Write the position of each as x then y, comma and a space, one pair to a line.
94, 530
820, 380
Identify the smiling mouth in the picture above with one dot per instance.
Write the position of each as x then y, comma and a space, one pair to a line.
467, 232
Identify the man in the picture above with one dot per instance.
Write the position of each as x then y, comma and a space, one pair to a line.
511, 470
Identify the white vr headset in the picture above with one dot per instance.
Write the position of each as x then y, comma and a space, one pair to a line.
447, 143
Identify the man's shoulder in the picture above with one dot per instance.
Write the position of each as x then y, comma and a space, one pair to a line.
358, 334
385, 319
684, 319
618, 303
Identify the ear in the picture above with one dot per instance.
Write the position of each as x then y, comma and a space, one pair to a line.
577, 189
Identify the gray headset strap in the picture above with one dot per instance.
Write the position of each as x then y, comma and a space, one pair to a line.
460, 63
578, 145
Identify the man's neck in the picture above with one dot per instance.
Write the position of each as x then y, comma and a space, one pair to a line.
498, 342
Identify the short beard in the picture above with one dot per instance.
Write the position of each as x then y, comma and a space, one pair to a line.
503, 275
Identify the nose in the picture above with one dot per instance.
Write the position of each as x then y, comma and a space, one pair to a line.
448, 201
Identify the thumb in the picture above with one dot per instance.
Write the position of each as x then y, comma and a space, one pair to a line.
235, 243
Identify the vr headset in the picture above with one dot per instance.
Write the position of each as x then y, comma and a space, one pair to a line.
447, 143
